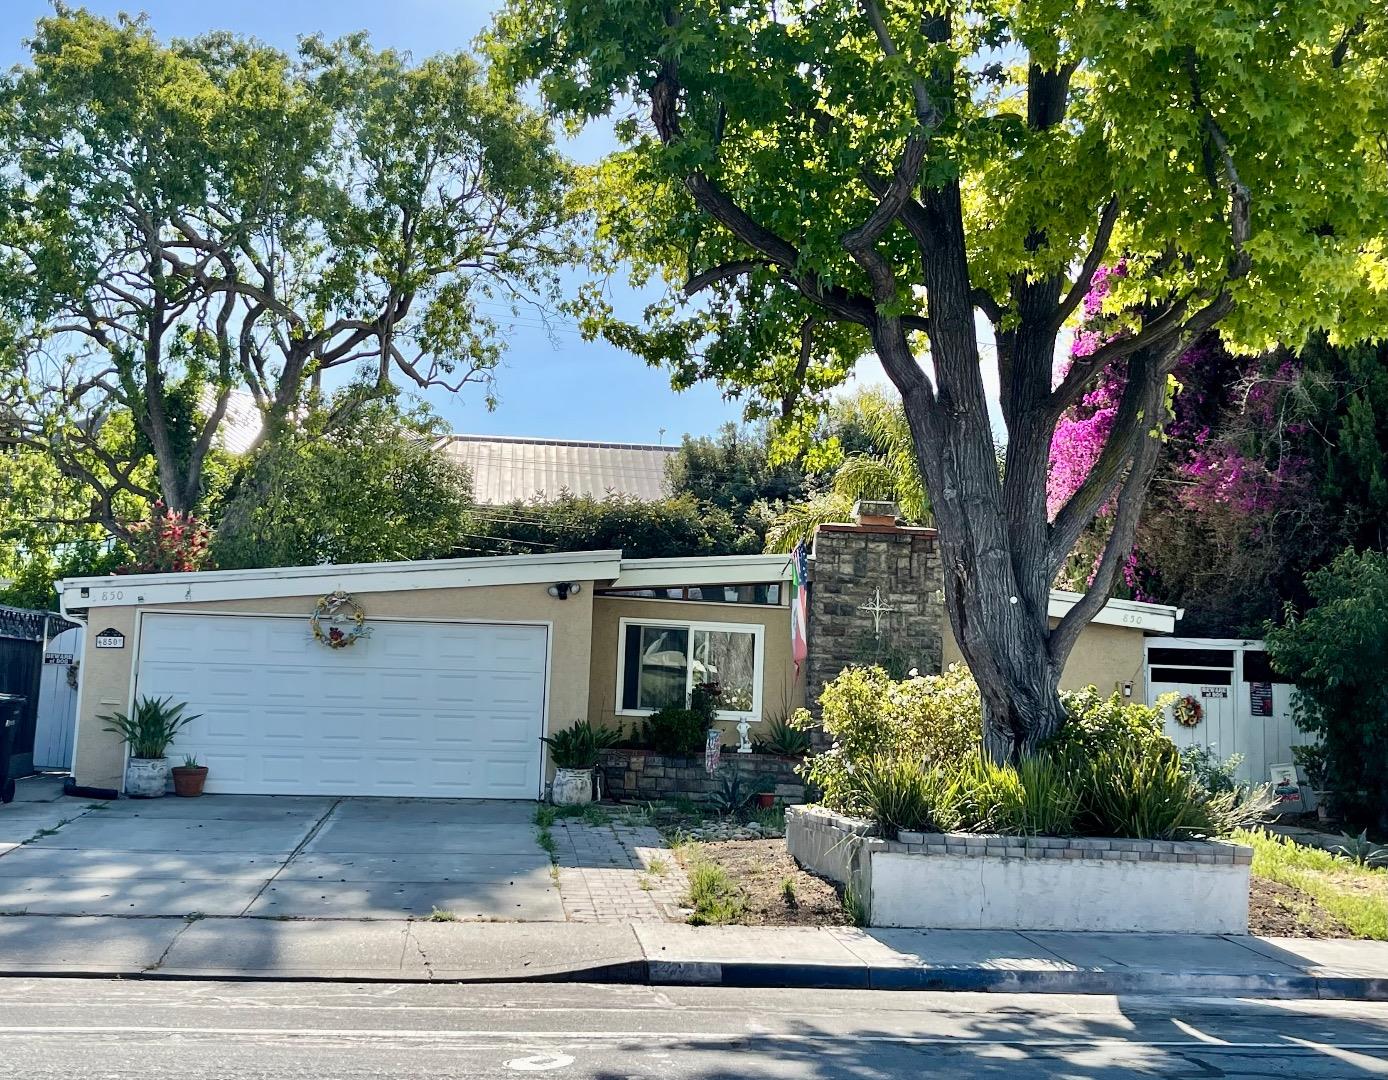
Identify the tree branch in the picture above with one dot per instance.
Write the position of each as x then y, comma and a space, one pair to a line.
723, 272
1108, 217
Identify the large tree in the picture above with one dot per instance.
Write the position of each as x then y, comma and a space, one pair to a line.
831, 177
178, 220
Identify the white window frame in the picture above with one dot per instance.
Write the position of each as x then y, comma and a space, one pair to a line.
757, 630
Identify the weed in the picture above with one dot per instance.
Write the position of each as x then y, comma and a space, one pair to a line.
855, 906
658, 866
715, 898
97, 806
546, 815
545, 839
644, 883
788, 892
441, 915
195, 916
769, 817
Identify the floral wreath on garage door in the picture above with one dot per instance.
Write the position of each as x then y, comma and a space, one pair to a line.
338, 621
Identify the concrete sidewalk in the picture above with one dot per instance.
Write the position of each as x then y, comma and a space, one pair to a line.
675, 954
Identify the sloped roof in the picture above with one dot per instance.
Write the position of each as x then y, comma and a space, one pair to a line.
508, 468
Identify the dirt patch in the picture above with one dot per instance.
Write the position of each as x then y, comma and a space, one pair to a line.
1277, 910
775, 891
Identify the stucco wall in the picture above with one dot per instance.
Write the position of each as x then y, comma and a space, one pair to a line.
782, 692
1104, 656
107, 673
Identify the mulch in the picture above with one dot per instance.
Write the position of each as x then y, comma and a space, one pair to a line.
761, 869
1277, 910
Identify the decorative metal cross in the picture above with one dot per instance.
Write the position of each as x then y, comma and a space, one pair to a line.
876, 609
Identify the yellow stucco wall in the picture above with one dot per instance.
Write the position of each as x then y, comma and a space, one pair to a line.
99, 758
1104, 656
782, 691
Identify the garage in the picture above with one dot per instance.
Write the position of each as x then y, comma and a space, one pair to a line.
429, 708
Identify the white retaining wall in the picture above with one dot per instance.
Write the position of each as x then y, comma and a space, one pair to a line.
957, 881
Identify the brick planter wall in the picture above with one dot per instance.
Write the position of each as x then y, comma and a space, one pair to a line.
645, 776
966, 881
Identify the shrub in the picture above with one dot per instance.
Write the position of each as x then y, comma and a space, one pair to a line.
926, 720
676, 730
1033, 798
1099, 724
1336, 653
1128, 792
895, 792
1212, 774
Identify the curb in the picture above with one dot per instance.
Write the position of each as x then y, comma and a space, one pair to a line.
1013, 981
768, 975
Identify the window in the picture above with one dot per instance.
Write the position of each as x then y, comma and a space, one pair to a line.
660, 663
768, 592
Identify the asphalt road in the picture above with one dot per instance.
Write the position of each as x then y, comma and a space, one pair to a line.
61, 1028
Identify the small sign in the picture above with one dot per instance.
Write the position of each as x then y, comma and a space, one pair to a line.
1286, 788
1214, 691
57, 658
1260, 698
110, 638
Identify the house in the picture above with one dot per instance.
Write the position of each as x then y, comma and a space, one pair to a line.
456, 667
507, 469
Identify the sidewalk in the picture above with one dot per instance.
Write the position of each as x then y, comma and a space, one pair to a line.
674, 954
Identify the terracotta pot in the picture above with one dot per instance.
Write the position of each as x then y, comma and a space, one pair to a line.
766, 800
189, 780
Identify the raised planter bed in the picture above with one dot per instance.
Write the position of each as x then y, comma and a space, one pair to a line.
964, 881
645, 776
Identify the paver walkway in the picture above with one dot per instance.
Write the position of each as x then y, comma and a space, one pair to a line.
617, 872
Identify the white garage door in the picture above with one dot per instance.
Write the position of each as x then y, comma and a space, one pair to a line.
417, 709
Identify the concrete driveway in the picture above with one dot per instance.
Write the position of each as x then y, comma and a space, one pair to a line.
287, 858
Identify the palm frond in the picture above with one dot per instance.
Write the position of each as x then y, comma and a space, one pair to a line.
797, 523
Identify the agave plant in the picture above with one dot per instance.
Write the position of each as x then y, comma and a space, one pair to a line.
1361, 851
152, 726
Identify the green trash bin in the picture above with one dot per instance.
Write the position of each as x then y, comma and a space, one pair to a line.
11, 709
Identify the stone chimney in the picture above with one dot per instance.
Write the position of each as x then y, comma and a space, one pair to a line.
874, 597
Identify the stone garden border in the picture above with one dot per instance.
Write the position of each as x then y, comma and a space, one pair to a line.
967, 881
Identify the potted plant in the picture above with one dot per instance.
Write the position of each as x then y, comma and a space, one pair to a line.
189, 777
1315, 766
574, 751
148, 732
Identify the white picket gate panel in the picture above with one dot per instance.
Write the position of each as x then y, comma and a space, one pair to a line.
57, 713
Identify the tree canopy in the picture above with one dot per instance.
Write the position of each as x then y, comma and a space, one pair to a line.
178, 220
832, 176
367, 489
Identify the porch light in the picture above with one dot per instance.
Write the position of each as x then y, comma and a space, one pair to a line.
562, 590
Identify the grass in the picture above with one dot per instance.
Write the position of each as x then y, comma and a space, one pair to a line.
1356, 895
441, 915
658, 866
856, 906
716, 900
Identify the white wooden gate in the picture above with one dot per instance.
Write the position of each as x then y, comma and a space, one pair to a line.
1246, 710
57, 714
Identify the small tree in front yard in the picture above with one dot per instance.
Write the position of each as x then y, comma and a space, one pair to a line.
1336, 653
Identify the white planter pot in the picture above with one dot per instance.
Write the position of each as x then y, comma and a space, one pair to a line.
572, 787
146, 778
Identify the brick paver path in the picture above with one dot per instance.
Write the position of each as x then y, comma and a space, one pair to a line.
617, 873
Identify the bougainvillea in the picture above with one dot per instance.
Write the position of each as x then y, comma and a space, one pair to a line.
1231, 453
169, 542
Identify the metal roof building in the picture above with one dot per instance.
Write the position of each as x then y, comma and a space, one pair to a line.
506, 468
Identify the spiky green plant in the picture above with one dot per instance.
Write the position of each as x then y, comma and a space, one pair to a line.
151, 728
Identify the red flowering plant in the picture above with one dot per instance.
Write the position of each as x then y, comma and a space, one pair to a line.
170, 542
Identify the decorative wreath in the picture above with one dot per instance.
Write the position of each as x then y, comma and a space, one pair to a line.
338, 621
1189, 712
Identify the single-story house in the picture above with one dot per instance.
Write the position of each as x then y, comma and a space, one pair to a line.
456, 667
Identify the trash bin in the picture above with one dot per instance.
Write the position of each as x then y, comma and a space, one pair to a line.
11, 708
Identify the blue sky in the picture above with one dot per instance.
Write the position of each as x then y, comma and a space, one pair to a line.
553, 384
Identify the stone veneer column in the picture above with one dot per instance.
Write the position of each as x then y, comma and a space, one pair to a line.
852, 562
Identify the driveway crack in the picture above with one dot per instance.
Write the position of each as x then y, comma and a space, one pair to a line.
423, 956
317, 826
187, 925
